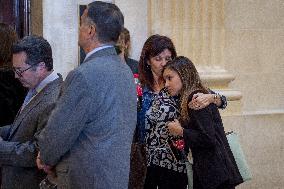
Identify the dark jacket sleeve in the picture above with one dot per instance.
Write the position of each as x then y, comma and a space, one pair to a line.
200, 132
223, 100
23, 154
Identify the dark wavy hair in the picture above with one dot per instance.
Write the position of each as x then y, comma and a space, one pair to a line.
37, 50
153, 46
8, 37
190, 81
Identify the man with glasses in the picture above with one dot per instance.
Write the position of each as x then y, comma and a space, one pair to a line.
33, 66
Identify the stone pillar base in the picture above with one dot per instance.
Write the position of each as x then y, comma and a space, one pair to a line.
218, 81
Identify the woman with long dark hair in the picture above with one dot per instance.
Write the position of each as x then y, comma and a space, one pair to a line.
163, 171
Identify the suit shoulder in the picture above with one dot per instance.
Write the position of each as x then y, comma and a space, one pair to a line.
53, 89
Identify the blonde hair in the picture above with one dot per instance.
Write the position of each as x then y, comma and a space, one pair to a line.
123, 39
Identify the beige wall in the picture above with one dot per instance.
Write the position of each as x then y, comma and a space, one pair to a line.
261, 137
254, 52
135, 20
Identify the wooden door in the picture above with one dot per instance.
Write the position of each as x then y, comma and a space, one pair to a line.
16, 13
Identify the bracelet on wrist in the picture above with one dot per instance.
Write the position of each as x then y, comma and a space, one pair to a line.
215, 97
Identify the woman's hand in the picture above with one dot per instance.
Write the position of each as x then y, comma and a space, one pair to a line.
200, 100
175, 128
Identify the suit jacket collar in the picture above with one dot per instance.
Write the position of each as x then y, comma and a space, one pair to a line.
34, 102
103, 52
51, 77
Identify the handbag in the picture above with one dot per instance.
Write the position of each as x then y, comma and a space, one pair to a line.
189, 171
239, 156
138, 164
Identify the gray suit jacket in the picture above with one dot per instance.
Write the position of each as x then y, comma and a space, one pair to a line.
17, 150
89, 134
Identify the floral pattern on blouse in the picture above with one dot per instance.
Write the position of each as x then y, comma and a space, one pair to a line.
163, 109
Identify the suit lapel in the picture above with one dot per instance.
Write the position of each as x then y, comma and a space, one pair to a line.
30, 106
24, 113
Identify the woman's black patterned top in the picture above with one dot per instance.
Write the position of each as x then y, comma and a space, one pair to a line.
163, 109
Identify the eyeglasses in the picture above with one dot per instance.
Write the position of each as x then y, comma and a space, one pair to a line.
20, 72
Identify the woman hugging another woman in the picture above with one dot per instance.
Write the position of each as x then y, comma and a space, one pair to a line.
202, 130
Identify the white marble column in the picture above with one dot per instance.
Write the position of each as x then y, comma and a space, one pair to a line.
197, 29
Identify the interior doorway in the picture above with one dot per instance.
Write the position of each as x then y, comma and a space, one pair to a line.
16, 13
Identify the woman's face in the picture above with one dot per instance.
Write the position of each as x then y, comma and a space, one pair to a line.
158, 62
173, 82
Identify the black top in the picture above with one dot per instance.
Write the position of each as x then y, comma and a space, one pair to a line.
213, 162
133, 64
12, 95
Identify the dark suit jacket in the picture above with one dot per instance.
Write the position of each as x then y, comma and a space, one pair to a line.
133, 65
12, 95
213, 162
17, 151
89, 134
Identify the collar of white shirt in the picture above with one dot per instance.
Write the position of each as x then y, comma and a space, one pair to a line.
51, 77
96, 50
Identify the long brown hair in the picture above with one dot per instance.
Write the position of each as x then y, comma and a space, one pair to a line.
190, 81
8, 37
153, 46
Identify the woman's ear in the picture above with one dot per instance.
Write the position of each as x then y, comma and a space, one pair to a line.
148, 63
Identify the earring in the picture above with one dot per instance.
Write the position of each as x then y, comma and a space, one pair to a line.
147, 64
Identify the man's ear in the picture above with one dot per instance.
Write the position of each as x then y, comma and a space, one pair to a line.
41, 66
92, 31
